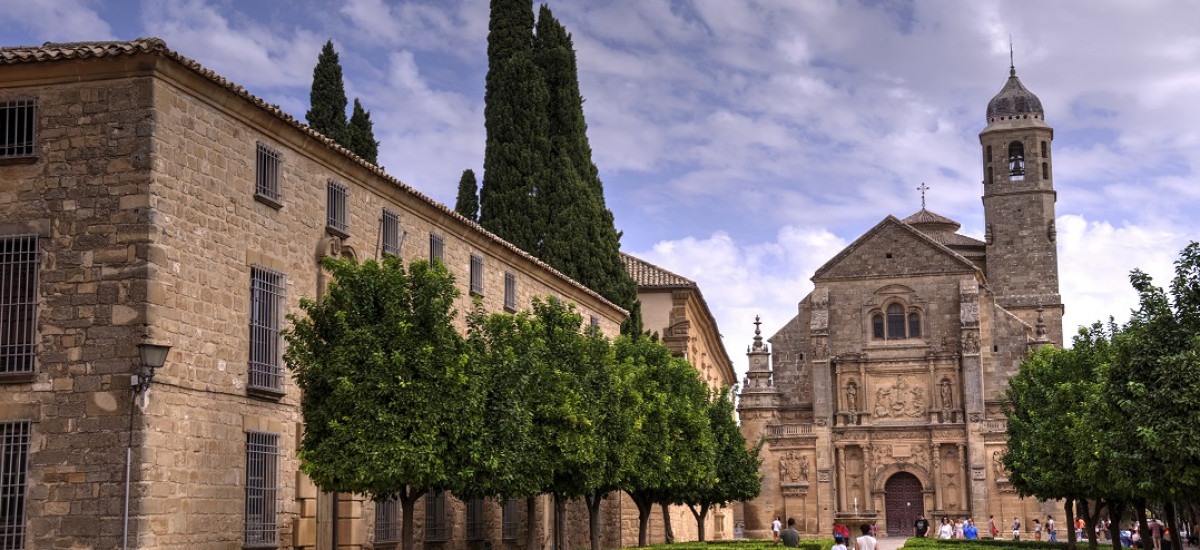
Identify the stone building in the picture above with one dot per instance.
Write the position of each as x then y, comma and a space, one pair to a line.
882, 398
675, 309
146, 200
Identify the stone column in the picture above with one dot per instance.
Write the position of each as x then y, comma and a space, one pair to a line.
962, 468
936, 459
840, 460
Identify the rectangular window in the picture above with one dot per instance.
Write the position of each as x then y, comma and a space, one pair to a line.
266, 312
1045, 171
18, 303
510, 291
595, 322
18, 135
1045, 150
267, 162
262, 489
338, 209
435, 516
437, 248
14, 469
387, 520
476, 274
391, 232
475, 519
511, 518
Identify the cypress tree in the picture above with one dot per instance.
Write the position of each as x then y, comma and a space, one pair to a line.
517, 148
579, 236
327, 113
467, 202
360, 134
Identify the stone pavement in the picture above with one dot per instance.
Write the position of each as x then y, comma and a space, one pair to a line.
890, 543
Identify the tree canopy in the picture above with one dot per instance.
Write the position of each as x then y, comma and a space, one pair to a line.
467, 202
327, 99
360, 134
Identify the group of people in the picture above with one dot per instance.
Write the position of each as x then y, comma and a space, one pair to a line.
961, 528
790, 537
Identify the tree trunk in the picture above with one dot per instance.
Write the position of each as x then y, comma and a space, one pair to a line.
408, 501
1069, 508
1139, 512
1116, 510
1173, 525
700, 517
531, 522
668, 533
644, 506
593, 505
1089, 521
560, 523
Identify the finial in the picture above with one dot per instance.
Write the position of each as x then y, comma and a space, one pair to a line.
758, 343
1012, 66
923, 188
757, 322
1041, 324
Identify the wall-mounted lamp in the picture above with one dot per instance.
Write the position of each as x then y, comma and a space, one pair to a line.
153, 356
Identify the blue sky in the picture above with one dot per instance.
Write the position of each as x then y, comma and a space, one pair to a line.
743, 143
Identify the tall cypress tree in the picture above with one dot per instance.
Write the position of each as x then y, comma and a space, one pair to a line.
517, 147
467, 202
579, 237
327, 113
360, 134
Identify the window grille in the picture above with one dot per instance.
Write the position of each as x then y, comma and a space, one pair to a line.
18, 303
877, 327
475, 519
262, 489
477, 274
391, 232
338, 210
437, 248
14, 469
18, 135
914, 325
387, 521
266, 311
510, 291
511, 519
266, 170
435, 516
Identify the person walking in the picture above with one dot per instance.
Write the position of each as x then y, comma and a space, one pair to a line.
958, 528
970, 532
866, 541
775, 527
790, 536
1156, 533
921, 526
1016, 528
1051, 529
992, 526
946, 530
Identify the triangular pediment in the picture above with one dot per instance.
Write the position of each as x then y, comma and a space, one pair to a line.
893, 249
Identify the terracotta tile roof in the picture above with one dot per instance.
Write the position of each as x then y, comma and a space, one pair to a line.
59, 51
649, 275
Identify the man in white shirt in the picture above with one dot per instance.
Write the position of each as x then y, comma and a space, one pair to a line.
775, 527
866, 541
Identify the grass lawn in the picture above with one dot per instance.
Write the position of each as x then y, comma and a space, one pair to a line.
980, 544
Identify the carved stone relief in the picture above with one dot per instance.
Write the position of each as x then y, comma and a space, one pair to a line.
899, 400
793, 467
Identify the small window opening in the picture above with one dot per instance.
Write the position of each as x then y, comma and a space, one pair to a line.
1016, 161
895, 321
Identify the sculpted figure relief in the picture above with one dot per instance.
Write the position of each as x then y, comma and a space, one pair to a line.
793, 467
899, 400
998, 468
852, 396
970, 344
947, 394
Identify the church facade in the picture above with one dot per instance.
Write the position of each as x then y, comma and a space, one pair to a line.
882, 399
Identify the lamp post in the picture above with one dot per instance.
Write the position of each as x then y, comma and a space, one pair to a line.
153, 356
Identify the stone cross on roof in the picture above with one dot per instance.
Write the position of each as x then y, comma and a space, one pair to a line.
923, 188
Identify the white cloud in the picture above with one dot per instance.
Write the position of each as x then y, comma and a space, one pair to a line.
59, 21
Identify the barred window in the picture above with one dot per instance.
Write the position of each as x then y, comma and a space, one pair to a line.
895, 321
387, 521
262, 489
877, 326
475, 519
266, 311
266, 174
14, 468
18, 135
338, 209
18, 303
914, 325
477, 274
437, 248
391, 233
435, 516
510, 291
511, 518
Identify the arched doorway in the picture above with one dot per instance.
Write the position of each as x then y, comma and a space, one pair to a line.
904, 503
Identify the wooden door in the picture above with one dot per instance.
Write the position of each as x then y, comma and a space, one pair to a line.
904, 503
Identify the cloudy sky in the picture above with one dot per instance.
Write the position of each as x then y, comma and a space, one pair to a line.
742, 143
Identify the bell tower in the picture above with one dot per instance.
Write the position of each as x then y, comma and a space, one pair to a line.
1018, 205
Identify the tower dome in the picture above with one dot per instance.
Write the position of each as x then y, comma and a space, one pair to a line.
1014, 100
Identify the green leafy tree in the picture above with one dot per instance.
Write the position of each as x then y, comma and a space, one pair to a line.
737, 477
327, 112
517, 145
674, 450
388, 407
467, 202
360, 134
619, 404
